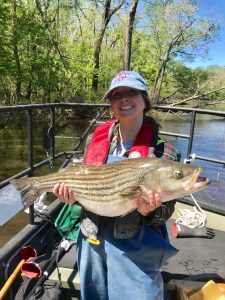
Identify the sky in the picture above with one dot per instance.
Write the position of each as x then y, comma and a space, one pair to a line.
216, 54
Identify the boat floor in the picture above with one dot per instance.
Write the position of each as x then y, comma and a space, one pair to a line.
198, 259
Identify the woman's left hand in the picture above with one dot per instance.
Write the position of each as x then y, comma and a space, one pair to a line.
146, 206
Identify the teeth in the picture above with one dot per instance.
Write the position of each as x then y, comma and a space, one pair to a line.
126, 107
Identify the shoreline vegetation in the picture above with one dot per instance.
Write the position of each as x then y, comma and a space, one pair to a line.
170, 116
12, 119
60, 51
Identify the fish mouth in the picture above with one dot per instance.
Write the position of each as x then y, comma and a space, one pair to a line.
196, 182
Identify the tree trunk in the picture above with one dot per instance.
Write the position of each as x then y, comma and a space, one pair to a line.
16, 54
97, 51
106, 16
128, 35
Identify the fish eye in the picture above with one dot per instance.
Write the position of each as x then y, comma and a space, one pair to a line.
178, 174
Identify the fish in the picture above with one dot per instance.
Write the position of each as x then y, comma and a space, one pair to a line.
112, 189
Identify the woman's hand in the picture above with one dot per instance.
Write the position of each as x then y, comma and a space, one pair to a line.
146, 206
64, 193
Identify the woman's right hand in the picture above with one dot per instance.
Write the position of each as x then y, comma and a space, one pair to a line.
64, 193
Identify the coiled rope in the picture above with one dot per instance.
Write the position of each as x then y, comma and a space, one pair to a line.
192, 218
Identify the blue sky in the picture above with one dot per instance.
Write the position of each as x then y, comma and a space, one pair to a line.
216, 55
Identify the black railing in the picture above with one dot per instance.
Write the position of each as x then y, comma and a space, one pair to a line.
194, 112
52, 106
68, 154
101, 108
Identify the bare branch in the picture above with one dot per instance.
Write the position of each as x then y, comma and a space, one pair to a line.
196, 96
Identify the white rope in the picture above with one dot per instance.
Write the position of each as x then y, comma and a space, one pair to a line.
192, 218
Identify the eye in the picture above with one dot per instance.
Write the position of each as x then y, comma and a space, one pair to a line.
178, 174
116, 96
132, 93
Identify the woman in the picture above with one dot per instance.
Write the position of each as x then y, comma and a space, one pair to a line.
131, 249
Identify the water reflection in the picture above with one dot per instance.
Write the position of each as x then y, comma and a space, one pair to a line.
13, 157
209, 141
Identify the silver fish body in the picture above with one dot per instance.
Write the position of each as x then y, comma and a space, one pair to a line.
111, 189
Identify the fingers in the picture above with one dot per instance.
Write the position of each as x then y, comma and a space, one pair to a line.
64, 193
149, 204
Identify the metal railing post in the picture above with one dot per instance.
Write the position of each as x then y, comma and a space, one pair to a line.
30, 155
53, 130
192, 129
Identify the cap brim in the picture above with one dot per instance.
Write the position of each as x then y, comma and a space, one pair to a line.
107, 95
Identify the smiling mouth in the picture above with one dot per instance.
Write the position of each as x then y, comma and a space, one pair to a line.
127, 107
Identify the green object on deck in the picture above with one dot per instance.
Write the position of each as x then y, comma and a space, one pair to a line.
68, 221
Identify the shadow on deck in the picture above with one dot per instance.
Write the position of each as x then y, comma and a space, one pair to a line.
198, 259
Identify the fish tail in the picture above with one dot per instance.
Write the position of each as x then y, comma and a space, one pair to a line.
23, 182
27, 190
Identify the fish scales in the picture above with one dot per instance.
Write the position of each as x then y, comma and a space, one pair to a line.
107, 181
80, 180
90, 177
79, 186
111, 189
77, 181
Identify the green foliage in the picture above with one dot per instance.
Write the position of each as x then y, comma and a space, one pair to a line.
47, 48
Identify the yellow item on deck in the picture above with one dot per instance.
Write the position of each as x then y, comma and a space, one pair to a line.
210, 291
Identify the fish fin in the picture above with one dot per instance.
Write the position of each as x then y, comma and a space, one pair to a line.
26, 189
29, 198
72, 165
23, 182
131, 192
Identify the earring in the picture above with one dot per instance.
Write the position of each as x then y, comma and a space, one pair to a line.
111, 115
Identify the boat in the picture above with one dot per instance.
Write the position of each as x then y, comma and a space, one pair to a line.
201, 255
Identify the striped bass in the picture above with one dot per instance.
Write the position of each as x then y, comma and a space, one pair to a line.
111, 189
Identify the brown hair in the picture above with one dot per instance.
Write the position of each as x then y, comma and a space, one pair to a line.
147, 101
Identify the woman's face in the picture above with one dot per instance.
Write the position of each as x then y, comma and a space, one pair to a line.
127, 103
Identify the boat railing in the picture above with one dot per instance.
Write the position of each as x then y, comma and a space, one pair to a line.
30, 110
190, 137
100, 111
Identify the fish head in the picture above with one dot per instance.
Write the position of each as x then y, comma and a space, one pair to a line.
172, 180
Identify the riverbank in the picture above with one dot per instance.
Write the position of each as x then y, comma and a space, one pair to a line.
169, 115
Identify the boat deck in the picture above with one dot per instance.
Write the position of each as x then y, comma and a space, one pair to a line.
199, 259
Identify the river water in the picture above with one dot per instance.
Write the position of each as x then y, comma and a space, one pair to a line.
209, 141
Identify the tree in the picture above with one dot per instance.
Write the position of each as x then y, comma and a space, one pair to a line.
69, 50
128, 34
106, 15
175, 31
